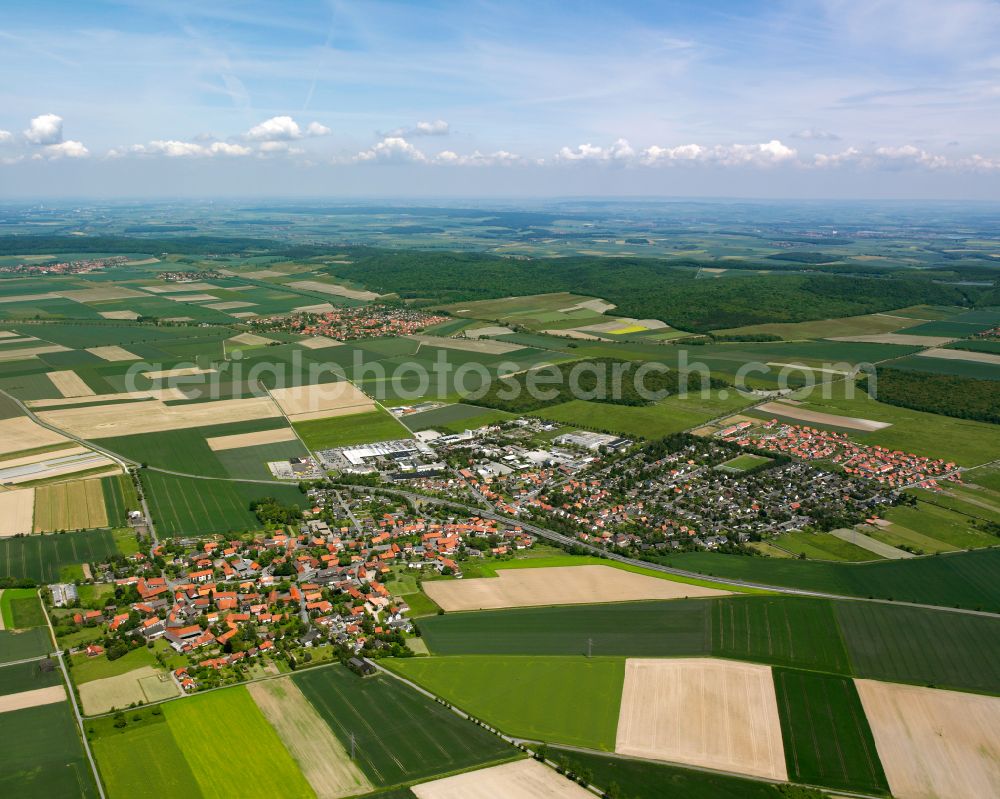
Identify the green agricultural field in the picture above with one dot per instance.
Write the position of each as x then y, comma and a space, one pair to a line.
870, 324
343, 431
259, 766
84, 668
976, 504
456, 415
400, 735
29, 676
119, 498
645, 779
41, 557
21, 609
23, 644
964, 579
927, 647
943, 524
784, 631
143, 758
564, 700
822, 546
827, 738
637, 629
190, 506
42, 756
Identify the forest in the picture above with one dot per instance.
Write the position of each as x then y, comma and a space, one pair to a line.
961, 397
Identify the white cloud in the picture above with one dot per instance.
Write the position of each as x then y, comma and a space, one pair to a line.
500, 157
392, 149
5, 136
316, 129
620, 151
172, 148
436, 128
815, 134
282, 128
227, 148
772, 152
14, 159
46, 129
655, 154
66, 149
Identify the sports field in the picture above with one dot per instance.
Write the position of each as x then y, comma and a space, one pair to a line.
40, 557
556, 699
186, 505
400, 735
42, 755
647, 629
826, 735
241, 772
779, 630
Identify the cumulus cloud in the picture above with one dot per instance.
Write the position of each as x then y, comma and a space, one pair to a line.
815, 134
499, 158
172, 148
772, 152
46, 129
436, 128
316, 129
392, 149
284, 128
5, 136
66, 149
621, 150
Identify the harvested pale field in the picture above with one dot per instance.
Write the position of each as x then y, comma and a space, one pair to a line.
17, 509
103, 294
260, 274
484, 346
250, 340
55, 465
30, 297
130, 316
491, 330
717, 714
21, 433
143, 262
243, 314
75, 505
319, 343
522, 779
189, 371
120, 691
26, 699
335, 289
152, 416
70, 384
597, 306
319, 754
905, 339
200, 297
934, 743
322, 400
240, 440
162, 394
962, 355
230, 305
804, 368
557, 585
71, 448
323, 307
8, 334
17, 340
24, 353
817, 417
113, 353
873, 545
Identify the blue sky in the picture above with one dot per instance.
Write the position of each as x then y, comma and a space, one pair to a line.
838, 98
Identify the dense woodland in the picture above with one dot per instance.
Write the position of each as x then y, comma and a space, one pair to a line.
961, 397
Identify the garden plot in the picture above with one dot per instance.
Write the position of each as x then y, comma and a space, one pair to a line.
70, 384
816, 417
17, 510
113, 353
335, 289
20, 433
934, 743
322, 400
35, 698
240, 440
961, 355
482, 346
522, 779
153, 416
557, 585
703, 712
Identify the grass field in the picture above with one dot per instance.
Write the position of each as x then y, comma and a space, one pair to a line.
42, 755
965, 579
186, 505
901, 644
73, 505
644, 779
85, 669
400, 735
822, 546
564, 700
456, 418
420, 605
742, 463
826, 734
24, 644
41, 557
20, 677
119, 498
21, 609
640, 629
358, 428
259, 766
139, 759
779, 630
